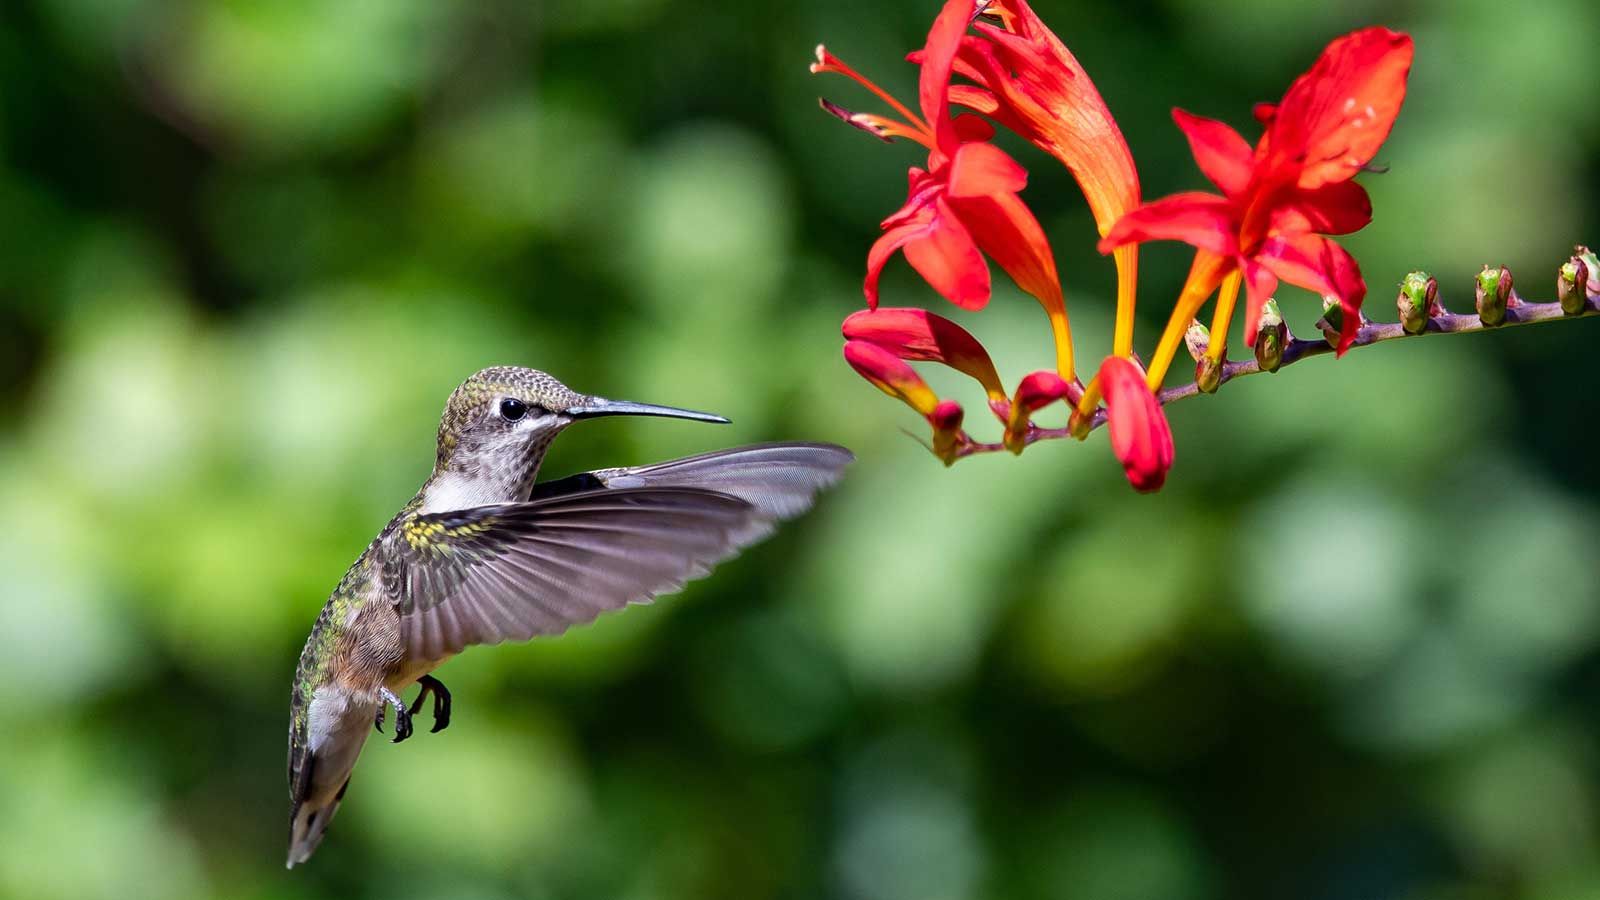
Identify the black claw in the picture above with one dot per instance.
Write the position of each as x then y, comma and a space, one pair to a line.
402, 718
441, 702
377, 721
441, 706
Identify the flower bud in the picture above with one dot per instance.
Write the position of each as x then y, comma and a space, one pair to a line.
1418, 302
1036, 391
1493, 295
1208, 374
1080, 424
1272, 334
1332, 322
947, 436
1197, 339
1592, 263
1572, 286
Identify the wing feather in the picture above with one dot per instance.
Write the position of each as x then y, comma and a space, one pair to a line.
779, 480
521, 570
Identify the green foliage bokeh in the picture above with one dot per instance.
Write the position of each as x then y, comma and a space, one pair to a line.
1351, 651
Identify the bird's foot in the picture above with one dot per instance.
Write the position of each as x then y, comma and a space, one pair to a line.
441, 702
402, 717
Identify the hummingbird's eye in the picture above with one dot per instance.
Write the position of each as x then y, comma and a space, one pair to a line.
512, 409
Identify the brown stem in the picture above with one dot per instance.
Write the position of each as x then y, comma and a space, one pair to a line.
1300, 348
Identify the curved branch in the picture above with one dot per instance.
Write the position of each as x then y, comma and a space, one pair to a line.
1296, 349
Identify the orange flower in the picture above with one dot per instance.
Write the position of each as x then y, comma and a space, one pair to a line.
1279, 200
964, 205
1025, 78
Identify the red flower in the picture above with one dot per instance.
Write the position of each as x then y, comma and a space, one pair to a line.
1140, 436
964, 205
1279, 199
1025, 78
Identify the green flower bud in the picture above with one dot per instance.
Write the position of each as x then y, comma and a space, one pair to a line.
1197, 339
1592, 263
1572, 286
1418, 302
1493, 295
1332, 321
1272, 334
1208, 374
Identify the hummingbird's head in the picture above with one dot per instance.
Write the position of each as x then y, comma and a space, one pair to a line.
498, 424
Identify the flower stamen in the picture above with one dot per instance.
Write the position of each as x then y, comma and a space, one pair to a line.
827, 62
881, 127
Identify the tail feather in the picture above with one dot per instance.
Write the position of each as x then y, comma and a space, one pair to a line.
308, 823
321, 758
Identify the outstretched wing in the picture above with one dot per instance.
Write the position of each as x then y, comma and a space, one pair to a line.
514, 571
779, 480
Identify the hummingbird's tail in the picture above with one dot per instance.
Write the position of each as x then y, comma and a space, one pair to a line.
308, 823
323, 749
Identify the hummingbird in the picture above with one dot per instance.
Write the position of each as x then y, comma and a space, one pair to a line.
484, 553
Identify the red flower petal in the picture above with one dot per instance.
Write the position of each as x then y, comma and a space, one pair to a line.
933, 85
1340, 207
1007, 231
971, 129
1202, 220
948, 258
1318, 264
977, 170
1225, 157
1038, 390
891, 375
1259, 284
941, 249
921, 335
1335, 117
1140, 436
1044, 94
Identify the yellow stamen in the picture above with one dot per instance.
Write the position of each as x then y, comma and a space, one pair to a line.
893, 128
1224, 315
1204, 276
838, 67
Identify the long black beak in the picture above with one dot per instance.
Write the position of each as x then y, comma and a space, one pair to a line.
594, 407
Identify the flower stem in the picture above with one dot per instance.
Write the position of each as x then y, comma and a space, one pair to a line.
1204, 276
1224, 316
1298, 349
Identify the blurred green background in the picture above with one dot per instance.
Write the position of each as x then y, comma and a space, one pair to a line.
1351, 652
